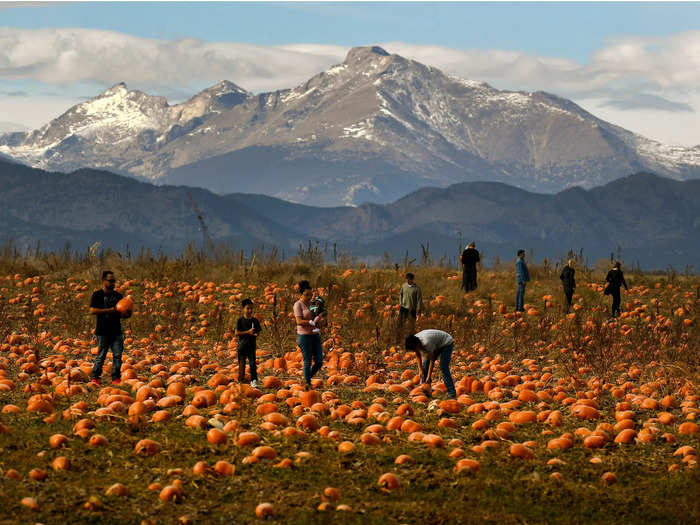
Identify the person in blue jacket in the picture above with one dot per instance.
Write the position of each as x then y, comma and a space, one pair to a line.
522, 276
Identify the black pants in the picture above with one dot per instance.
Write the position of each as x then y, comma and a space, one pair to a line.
569, 294
406, 314
468, 279
249, 355
615, 292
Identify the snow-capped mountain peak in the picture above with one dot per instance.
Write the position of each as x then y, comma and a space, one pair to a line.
366, 53
119, 119
375, 126
216, 98
113, 115
117, 89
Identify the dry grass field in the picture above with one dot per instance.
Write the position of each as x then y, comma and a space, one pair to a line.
559, 418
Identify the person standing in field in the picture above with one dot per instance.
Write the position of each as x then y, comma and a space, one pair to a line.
470, 258
308, 337
247, 330
428, 345
615, 279
568, 281
108, 328
522, 277
410, 302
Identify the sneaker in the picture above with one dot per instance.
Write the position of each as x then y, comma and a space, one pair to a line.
116, 381
95, 382
254, 383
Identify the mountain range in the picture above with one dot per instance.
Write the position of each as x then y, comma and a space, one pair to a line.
372, 129
652, 220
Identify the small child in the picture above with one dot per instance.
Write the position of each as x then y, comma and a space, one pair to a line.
247, 330
318, 308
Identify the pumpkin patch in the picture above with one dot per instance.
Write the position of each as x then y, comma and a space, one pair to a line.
548, 403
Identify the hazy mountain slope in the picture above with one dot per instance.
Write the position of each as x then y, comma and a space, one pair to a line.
114, 209
654, 220
290, 174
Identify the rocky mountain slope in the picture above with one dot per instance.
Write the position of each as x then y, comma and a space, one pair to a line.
116, 127
373, 128
653, 220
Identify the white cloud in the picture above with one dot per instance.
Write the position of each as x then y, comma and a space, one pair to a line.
679, 128
34, 111
66, 56
634, 79
649, 65
6, 127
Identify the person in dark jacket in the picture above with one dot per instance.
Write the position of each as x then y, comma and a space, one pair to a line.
568, 282
109, 329
470, 257
247, 330
615, 279
522, 277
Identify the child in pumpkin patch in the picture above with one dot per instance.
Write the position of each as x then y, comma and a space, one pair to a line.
247, 330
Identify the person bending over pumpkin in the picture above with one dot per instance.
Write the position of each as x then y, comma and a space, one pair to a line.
428, 346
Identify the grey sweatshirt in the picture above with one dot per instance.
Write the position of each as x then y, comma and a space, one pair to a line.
411, 297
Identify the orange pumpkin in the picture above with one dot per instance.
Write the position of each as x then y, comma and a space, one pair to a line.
61, 463
520, 451
118, 489
224, 468
625, 436
248, 439
264, 452
346, 447
404, 459
264, 510
147, 447
98, 440
389, 481
58, 441
609, 478
688, 428
216, 437
468, 465
125, 307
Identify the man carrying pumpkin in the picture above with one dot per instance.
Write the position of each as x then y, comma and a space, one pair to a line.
428, 345
108, 329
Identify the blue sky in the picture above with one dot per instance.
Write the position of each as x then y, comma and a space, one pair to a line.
631, 63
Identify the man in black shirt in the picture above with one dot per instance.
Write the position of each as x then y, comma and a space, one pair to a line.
470, 256
568, 281
108, 329
615, 279
247, 330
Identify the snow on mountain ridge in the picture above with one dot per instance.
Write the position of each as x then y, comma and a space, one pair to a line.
118, 116
395, 114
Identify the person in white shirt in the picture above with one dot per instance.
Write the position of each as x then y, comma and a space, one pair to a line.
428, 345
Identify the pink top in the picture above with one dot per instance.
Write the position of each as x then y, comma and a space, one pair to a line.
301, 310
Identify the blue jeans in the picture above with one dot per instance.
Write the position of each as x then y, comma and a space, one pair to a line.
520, 298
445, 356
310, 349
104, 343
